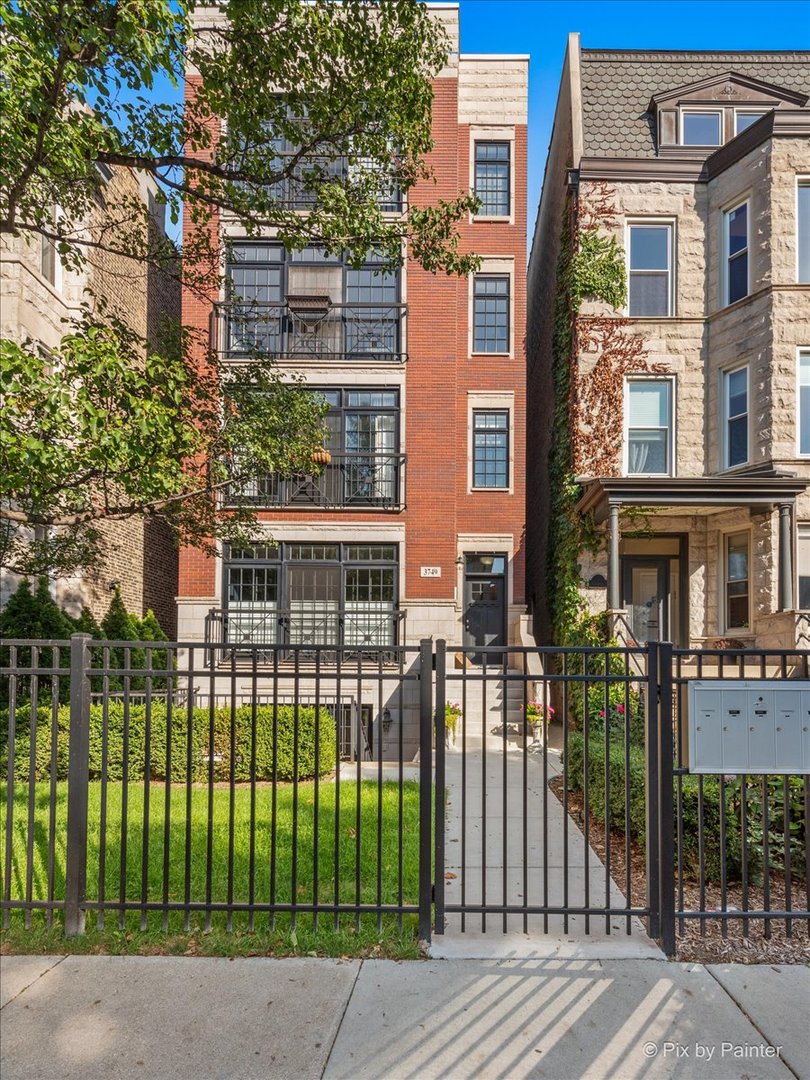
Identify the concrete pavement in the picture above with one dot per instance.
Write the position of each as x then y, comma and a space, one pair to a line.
189, 1018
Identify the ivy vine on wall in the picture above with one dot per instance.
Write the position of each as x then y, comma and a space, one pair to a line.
591, 355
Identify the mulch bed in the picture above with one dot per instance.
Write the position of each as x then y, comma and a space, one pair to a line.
705, 943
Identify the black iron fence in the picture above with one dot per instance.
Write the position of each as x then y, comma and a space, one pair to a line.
544, 790
308, 328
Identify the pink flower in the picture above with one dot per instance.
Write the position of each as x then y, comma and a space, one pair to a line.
620, 708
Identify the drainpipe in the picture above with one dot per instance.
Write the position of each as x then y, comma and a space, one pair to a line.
614, 584
785, 558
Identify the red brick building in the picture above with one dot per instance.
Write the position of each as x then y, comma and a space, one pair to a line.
415, 527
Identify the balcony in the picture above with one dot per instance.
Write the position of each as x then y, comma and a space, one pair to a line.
308, 329
294, 191
358, 631
366, 481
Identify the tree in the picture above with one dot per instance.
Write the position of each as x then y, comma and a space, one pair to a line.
300, 103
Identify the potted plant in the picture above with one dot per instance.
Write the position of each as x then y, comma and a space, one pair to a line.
537, 717
452, 713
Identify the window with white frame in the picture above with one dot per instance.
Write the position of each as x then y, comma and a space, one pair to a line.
803, 230
735, 244
648, 435
744, 119
491, 313
803, 567
649, 273
490, 448
735, 417
736, 586
701, 127
804, 403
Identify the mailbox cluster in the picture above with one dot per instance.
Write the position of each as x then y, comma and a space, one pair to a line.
749, 726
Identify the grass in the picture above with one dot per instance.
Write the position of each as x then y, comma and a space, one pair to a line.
367, 867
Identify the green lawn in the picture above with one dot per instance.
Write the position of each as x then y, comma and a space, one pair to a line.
357, 850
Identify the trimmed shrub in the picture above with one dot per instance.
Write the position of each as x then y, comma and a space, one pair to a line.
126, 744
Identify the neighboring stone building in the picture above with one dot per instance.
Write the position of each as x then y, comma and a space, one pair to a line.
688, 413
415, 528
39, 300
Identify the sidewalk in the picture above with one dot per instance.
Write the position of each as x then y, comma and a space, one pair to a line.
188, 1018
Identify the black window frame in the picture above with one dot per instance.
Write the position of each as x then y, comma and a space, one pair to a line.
506, 414
344, 408
477, 344
483, 211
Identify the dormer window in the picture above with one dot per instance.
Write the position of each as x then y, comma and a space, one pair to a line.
701, 128
744, 119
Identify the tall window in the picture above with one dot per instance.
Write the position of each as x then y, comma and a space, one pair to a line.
735, 417
491, 448
649, 427
737, 594
650, 270
490, 314
803, 564
804, 402
735, 239
803, 230
492, 178
701, 128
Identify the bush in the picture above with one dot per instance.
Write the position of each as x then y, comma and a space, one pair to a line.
135, 754
691, 809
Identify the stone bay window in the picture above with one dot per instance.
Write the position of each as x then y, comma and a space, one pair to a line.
311, 594
307, 306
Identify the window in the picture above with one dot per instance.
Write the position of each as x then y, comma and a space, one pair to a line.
804, 402
735, 417
803, 230
735, 239
737, 613
490, 314
492, 178
803, 565
701, 128
491, 448
649, 427
744, 120
650, 270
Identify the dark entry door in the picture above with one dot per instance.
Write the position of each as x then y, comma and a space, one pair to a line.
646, 597
485, 602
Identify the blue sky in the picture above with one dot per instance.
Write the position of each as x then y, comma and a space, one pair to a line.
541, 27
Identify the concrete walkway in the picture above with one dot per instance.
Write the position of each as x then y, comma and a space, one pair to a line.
187, 1018
493, 787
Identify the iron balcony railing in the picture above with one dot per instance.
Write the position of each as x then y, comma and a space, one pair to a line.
299, 190
370, 631
349, 480
308, 328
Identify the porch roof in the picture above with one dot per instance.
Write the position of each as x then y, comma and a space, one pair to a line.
689, 492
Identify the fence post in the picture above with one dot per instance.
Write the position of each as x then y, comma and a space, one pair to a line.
78, 765
651, 780
438, 863
425, 786
666, 817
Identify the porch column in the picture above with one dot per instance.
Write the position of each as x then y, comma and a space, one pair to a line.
614, 596
785, 558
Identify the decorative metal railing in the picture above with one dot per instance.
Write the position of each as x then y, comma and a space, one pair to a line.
349, 480
299, 190
308, 328
368, 630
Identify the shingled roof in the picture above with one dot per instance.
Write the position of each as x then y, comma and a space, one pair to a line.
617, 86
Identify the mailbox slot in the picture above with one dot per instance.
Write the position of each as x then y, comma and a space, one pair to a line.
749, 726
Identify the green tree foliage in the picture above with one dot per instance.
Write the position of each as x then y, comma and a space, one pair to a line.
34, 615
330, 99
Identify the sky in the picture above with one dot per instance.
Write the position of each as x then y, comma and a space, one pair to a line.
541, 28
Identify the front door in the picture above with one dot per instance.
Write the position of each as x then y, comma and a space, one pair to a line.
646, 597
485, 602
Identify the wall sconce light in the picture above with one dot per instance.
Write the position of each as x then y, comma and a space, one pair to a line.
387, 720
598, 581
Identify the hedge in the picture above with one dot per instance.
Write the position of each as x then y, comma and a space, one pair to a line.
638, 803
200, 737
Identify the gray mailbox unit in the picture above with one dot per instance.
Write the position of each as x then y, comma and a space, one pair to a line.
753, 726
